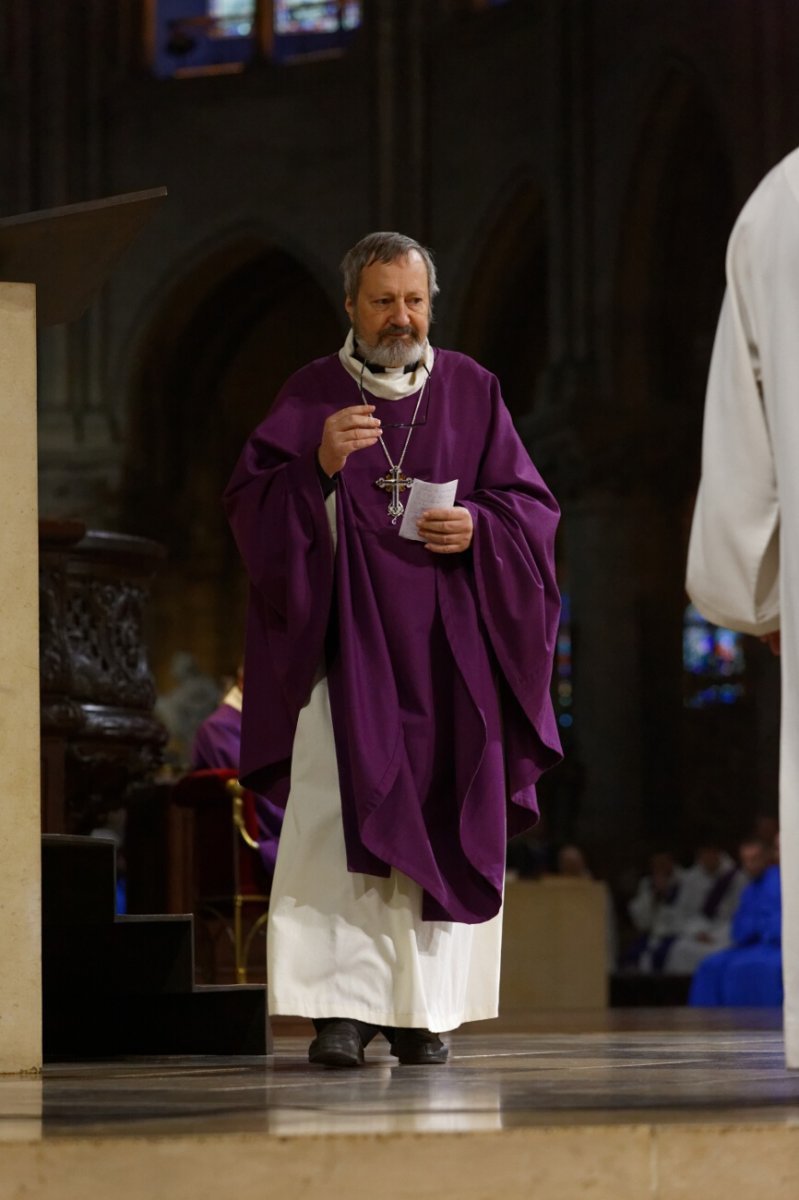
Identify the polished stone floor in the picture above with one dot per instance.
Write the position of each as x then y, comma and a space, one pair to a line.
614, 1105
650, 1066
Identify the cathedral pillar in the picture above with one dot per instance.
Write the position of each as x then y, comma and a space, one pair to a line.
598, 541
621, 556
20, 842
399, 161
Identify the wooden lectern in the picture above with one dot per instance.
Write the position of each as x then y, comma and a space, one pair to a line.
54, 262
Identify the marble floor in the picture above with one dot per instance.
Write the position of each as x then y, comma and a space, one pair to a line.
660, 1104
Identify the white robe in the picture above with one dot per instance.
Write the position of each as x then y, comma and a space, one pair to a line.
688, 951
342, 944
743, 561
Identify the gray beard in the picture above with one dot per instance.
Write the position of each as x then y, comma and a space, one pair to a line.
390, 352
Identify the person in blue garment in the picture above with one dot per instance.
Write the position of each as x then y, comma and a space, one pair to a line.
749, 973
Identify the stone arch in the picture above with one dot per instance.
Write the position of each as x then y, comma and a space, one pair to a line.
678, 214
504, 313
679, 210
221, 343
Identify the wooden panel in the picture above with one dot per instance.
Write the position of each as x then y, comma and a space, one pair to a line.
69, 252
554, 949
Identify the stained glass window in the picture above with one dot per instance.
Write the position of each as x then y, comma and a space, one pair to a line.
233, 18
713, 660
303, 27
193, 37
305, 16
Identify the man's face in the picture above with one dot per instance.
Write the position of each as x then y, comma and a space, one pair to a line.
709, 859
754, 859
391, 312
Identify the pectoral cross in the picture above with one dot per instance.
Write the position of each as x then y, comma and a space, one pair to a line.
395, 481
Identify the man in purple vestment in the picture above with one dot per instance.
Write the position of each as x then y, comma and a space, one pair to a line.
433, 643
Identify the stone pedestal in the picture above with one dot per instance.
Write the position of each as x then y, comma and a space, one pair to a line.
20, 863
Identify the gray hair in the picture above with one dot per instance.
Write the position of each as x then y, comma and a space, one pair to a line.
386, 248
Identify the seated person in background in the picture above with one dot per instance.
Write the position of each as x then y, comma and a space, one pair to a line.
194, 696
571, 862
766, 829
216, 745
527, 857
749, 973
655, 913
708, 899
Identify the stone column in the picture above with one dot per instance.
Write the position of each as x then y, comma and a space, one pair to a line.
20, 840
624, 560
600, 543
399, 159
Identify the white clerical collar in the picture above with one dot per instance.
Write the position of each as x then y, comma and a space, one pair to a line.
233, 699
394, 382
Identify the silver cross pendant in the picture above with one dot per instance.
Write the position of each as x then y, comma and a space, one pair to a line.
395, 481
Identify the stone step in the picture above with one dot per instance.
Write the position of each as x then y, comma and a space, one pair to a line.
78, 880
124, 985
207, 1021
134, 957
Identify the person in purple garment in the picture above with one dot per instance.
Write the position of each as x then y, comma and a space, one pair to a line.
396, 694
217, 744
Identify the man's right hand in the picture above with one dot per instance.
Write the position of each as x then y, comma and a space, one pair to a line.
344, 432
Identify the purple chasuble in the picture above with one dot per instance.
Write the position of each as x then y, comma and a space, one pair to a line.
218, 740
439, 667
217, 745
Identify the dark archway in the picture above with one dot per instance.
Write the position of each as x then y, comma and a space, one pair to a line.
680, 210
678, 216
504, 317
221, 346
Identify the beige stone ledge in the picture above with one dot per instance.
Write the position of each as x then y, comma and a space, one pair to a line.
600, 1162
20, 842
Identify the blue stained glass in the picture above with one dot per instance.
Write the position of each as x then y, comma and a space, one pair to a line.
725, 693
195, 36
708, 649
697, 649
715, 655
305, 16
303, 27
729, 653
232, 18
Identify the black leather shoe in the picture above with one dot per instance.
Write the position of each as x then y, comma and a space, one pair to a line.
418, 1047
337, 1044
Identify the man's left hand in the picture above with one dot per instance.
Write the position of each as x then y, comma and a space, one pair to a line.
446, 530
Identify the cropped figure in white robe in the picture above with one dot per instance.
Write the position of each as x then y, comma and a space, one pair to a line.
743, 563
654, 911
709, 896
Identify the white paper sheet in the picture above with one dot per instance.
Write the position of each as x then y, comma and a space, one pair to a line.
423, 496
